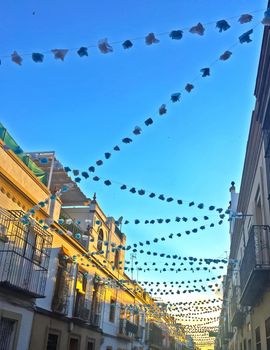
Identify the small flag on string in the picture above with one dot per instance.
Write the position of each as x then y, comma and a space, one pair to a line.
189, 87
37, 57
126, 140
91, 169
175, 97
222, 25
162, 109
116, 148
137, 130
107, 155
127, 44
205, 72
151, 39
198, 29
104, 46
245, 38
245, 18
225, 56
148, 121
85, 174
16, 58
99, 162
59, 54
176, 34
82, 51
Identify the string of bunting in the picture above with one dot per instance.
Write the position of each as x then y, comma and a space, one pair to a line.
150, 39
151, 283
161, 270
182, 312
196, 302
173, 264
190, 259
147, 242
189, 289
175, 97
137, 221
213, 319
193, 308
143, 192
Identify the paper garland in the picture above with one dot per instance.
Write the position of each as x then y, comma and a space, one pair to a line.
121, 220
105, 47
205, 72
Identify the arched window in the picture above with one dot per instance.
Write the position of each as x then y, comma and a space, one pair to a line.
116, 259
100, 240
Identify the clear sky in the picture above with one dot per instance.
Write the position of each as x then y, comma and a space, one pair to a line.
82, 107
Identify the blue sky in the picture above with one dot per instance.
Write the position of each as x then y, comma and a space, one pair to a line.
82, 107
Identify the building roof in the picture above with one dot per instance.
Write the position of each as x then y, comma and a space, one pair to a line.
57, 177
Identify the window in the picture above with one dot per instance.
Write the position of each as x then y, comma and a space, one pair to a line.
258, 209
267, 331
245, 344
116, 259
62, 284
112, 310
74, 343
100, 240
7, 333
258, 338
52, 341
90, 345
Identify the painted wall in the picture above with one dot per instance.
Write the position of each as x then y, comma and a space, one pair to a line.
25, 327
65, 329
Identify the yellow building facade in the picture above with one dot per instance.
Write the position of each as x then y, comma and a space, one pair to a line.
62, 278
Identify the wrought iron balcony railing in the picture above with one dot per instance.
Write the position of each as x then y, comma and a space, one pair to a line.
24, 254
81, 311
155, 335
127, 328
237, 316
255, 264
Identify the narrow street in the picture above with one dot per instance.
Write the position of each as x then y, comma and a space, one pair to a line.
135, 175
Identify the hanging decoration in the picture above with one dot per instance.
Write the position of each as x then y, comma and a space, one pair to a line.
142, 192
177, 34
205, 72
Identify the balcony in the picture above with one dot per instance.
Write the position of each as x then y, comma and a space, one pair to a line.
127, 329
82, 312
24, 255
255, 266
64, 277
72, 227
140, 333
237, 316
155, 336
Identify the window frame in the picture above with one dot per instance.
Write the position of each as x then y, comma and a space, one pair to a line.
55, 332
18, 319
267, 333
74, 336
89, 341
112, 310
